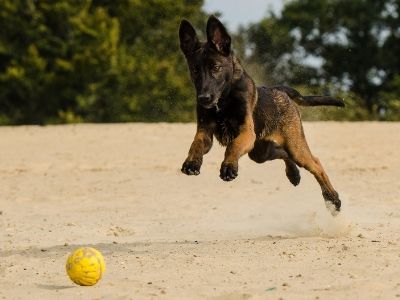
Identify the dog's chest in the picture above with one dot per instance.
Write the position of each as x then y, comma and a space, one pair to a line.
227, 128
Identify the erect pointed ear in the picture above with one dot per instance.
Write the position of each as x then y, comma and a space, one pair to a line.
188, 38
217, 36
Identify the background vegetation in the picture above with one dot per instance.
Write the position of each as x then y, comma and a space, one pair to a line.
70, 61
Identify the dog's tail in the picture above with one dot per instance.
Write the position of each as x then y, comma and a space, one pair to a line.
310, 100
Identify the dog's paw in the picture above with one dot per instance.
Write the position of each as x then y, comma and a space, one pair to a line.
333, 208
191, 167
293, 174
332, 202
228, 171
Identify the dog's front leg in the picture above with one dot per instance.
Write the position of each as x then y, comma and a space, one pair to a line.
201, 145
241, 145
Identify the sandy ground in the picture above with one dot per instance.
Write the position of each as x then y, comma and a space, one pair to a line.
166, 235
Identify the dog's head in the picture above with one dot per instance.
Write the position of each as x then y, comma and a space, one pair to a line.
211, 63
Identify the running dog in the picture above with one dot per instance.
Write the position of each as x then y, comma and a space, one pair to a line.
263, 122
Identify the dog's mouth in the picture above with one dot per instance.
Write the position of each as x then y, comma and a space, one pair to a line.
210, 105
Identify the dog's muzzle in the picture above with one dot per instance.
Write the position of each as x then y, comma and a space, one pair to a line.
206, 100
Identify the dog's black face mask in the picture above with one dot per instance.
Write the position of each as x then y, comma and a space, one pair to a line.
210, 63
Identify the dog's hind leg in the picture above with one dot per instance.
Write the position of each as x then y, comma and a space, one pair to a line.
265, 150
292, 172
300, 152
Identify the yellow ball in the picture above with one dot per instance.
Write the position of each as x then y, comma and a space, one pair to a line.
85, 266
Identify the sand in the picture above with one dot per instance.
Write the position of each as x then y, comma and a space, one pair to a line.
166, 235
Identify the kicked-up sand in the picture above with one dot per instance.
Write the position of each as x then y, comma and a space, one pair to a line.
165, 235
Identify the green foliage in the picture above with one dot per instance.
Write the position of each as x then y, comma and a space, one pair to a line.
356, 41
69, 61
94, 61
390, 100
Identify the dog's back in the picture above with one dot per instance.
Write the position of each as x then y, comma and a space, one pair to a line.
272, 111
276, 107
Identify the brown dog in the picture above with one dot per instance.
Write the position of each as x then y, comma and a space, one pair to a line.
261, 121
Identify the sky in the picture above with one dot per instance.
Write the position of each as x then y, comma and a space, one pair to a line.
242, 12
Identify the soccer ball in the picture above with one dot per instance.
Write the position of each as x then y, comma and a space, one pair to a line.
85, 266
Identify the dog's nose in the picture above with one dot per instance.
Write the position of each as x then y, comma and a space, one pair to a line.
204, 98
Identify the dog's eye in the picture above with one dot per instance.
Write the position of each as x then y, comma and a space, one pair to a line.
216, 68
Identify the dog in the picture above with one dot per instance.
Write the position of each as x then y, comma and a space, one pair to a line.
263, 122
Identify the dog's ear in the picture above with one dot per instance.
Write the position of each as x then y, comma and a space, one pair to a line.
218, 37
188, 38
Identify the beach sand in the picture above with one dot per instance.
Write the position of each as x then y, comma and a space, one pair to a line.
165, 235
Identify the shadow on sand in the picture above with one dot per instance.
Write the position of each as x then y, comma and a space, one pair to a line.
54, 287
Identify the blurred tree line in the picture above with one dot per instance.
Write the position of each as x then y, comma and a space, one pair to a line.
66, 61
94, 60
343, 47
